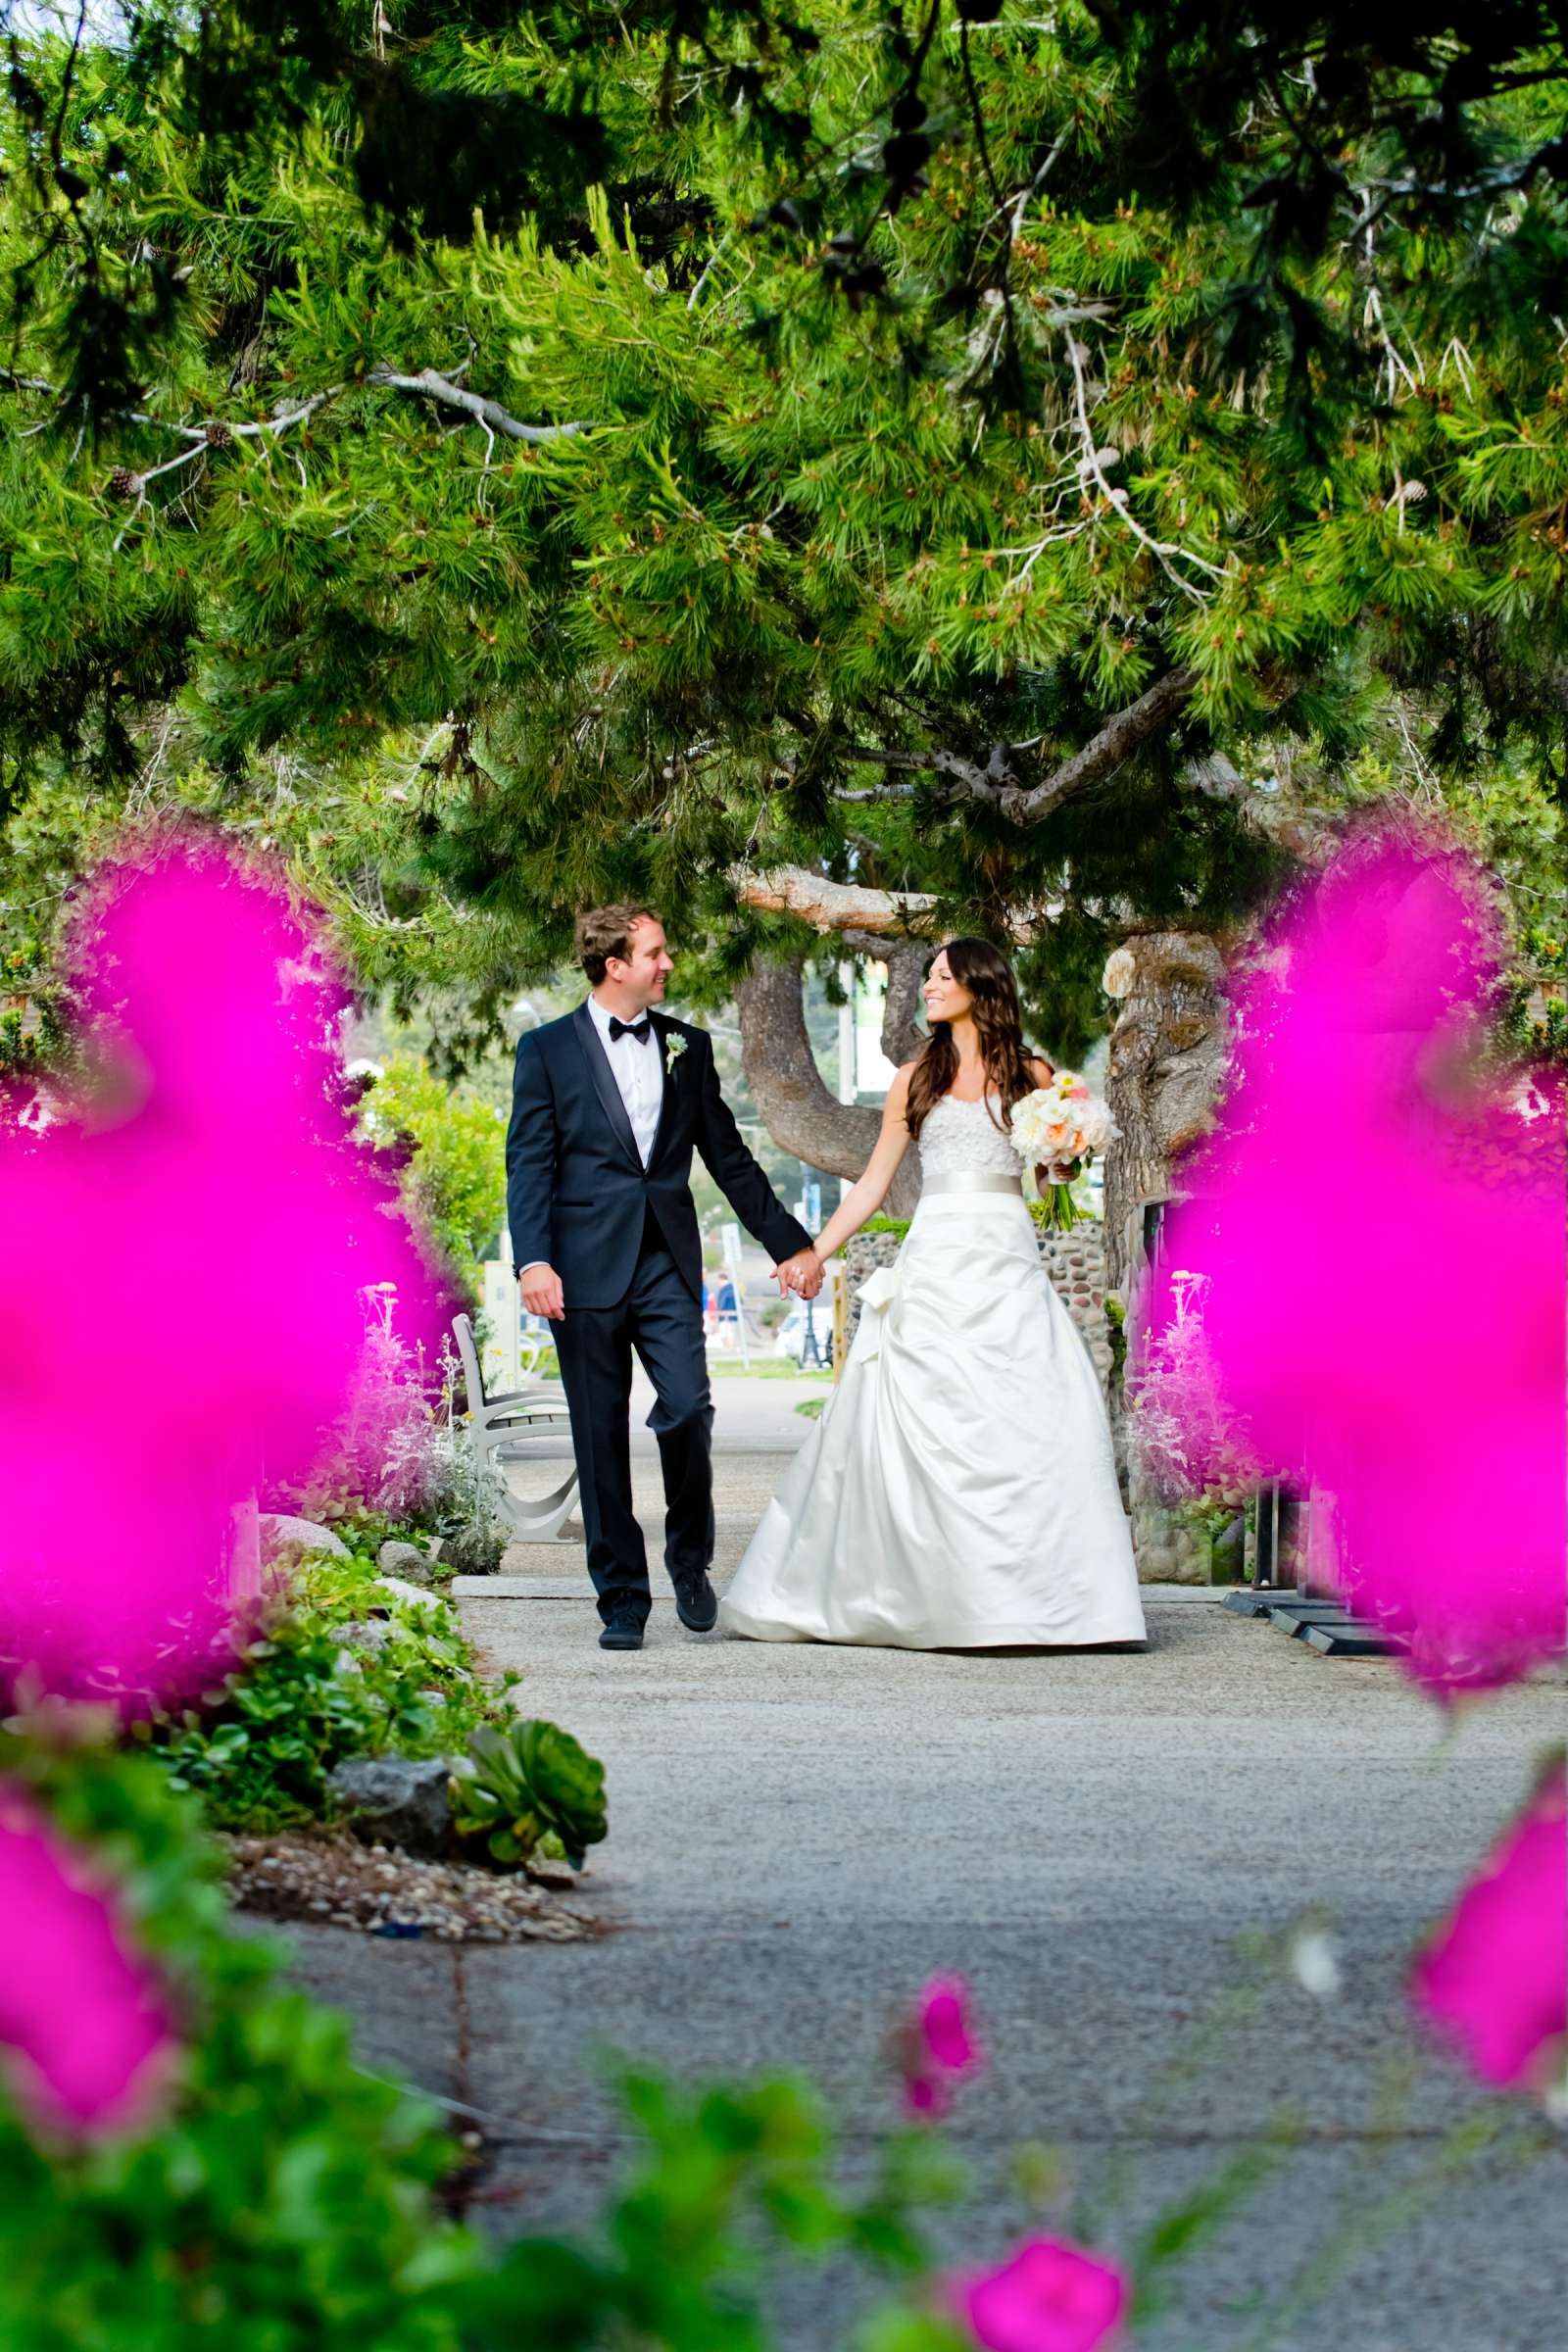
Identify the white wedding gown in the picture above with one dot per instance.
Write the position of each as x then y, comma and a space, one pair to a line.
958, 1492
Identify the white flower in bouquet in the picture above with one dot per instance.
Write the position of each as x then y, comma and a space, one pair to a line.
1060, 1122
1055, 1127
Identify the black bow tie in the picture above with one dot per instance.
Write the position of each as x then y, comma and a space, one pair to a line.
637, 1029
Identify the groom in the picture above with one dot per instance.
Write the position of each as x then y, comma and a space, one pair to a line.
607, 1106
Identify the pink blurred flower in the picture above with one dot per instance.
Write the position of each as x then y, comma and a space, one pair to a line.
183, 1321
1048, 2298
1495, 1980
1382, 1252
86, 2037
943, 2015
938, 2049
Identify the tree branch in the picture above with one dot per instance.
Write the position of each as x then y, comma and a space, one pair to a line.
1102, 754
830, 905
995, 782
798, 1109
986, 782
871, 922
488, 412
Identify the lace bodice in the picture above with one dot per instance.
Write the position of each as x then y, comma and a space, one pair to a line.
963, 1136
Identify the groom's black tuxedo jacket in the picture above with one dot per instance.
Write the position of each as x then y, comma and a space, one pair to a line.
577, 1192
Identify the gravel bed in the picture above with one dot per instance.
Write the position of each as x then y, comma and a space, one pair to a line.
331, 1881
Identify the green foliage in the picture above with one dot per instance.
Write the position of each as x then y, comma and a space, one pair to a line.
1045, 1213
455, 1183
779, 550
282, 2199
726, 2178
898, 1226
259, 1746
525, 1781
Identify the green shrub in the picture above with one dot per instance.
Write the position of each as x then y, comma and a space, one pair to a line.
259, 1746
283, 2202
524, 1782
727, 2179
455, 1181
894, 1225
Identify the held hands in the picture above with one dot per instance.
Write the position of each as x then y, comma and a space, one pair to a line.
541, 1294
801, 1274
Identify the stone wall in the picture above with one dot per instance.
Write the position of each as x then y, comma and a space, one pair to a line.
1076, 1262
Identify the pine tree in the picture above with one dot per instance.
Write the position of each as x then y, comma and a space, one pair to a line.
895, 472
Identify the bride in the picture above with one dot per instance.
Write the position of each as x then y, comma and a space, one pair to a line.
959, 1491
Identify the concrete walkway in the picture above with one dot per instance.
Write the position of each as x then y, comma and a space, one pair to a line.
801, 1836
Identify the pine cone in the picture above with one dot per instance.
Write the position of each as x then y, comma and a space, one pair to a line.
218, 434
122, 483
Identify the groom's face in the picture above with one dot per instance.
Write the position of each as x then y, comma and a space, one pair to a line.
641, 974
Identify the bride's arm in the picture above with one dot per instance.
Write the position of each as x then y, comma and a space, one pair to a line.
867, 1194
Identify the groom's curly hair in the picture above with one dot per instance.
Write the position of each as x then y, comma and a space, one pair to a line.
606, 931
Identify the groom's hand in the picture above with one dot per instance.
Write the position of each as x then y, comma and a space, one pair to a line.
802, 1274
541, 1294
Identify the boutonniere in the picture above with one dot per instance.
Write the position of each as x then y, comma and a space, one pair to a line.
675, 1048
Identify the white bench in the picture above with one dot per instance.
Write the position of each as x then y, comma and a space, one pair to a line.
499, 1425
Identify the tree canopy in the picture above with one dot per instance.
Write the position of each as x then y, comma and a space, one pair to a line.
1011, 470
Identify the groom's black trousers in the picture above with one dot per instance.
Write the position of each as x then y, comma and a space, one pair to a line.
660, 1319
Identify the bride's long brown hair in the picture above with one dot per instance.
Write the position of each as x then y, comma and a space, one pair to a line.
987, 975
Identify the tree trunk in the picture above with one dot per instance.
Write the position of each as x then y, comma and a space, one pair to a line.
1168, 1054
901, 1037
794, 1104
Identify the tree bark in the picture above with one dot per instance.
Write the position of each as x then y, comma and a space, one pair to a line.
1167, 1054
796, 1105
829, 906
903, 1038
852, 906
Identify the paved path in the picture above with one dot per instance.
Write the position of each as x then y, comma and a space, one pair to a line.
800, 1835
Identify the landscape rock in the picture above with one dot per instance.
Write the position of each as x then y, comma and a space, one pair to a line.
406, 1560
400, 1800
416, 1594
368, 1633
1230, 1551
285, 1539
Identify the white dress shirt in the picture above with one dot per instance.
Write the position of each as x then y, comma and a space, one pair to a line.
639, 1069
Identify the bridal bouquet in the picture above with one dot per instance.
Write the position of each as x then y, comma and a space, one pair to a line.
1061, 1126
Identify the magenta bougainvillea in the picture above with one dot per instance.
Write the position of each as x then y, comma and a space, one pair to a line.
87, 2031
1366, 1160
180, 1315
1493, 1981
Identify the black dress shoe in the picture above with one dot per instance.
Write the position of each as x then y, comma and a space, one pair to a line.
622, 1631
697, 1604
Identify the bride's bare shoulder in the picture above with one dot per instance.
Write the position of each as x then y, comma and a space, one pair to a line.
1043, 1071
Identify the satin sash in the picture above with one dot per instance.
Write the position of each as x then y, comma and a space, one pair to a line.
969, 1180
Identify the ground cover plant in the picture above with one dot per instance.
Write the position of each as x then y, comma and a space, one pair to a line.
527, 1784
266, 2193
337, 1666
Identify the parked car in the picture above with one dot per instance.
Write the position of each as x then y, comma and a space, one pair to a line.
790, 1337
